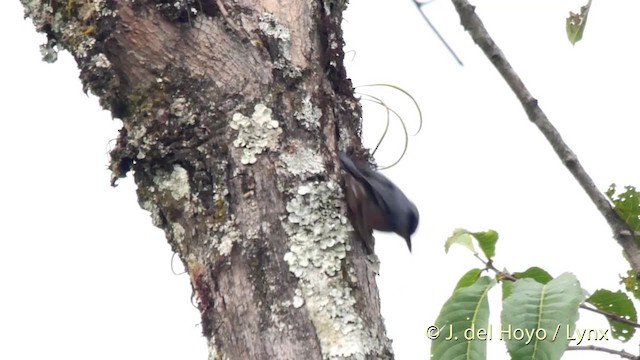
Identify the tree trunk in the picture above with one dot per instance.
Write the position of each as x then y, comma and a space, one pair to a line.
233, 113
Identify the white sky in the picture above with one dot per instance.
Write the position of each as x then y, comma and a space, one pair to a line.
84, 274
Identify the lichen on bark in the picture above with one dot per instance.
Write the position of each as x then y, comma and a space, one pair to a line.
232, 115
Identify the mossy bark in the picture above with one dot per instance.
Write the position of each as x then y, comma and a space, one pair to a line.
233, 113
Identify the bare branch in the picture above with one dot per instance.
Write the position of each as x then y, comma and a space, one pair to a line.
419, 5
623, 354
481, 37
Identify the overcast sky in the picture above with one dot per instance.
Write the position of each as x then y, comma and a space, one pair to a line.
84, 274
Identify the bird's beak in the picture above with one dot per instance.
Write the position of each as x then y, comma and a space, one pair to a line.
408, 240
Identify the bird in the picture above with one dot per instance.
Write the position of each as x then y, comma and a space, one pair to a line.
377, 203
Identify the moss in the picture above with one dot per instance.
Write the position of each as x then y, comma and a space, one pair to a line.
220, 205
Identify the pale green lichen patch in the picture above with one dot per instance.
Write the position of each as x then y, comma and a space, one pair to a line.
101, 61
175, 182
49, 52
226, 243
280, 43
309, 115
303, 161
255, 133
152, 208
76, 26
180, 108
318, 232
72, 22
178, 235
298, 300
230, 235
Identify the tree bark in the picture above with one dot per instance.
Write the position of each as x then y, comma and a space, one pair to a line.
232, 116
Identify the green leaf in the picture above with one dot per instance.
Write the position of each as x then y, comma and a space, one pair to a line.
463, 324
536, 318
460, 237
576, 23
468, 279
617, 303
487, 241
632, 284
627, 205
534, 273
506, 289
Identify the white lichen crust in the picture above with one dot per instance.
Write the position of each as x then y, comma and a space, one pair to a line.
281, 40
231, 235
319, 232
181, 110
178, 234
152, 208
303, 161
175, 182
309, 115
176, 185
255, 133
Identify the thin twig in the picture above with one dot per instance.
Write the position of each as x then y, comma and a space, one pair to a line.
623, 354
488, 265
481, 37
611, 316
419, 5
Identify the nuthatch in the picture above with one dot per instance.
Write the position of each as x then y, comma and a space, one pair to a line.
376, 203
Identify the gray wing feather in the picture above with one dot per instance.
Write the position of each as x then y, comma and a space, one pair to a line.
376, 184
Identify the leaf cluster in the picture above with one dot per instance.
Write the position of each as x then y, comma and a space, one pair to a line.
538, 311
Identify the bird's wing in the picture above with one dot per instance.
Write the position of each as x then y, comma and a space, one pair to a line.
377, 185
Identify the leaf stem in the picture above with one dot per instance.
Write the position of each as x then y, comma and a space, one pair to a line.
510, 277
